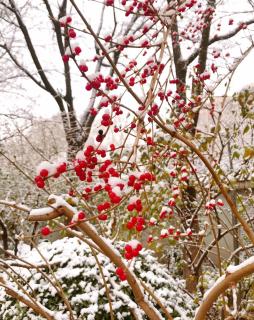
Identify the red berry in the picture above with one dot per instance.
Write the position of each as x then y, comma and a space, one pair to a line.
119, 271
77, 50
130, 225
128, 255
61, 168
99, 138
81, 215
135, 253
130, 207
45, 231
139, 247
103, 216
68, 20
65, 58
123, 277
128, 248
39, 182
139, 227
44, 173
72, 33
83, 68
109, 2
112, 147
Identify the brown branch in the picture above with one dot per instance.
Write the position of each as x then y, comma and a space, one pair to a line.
217, 180
216, 38
62, 207
34, 56
223, 283
20, 297
23, 69
106, 53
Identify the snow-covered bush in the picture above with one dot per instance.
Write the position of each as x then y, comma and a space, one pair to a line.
76, 269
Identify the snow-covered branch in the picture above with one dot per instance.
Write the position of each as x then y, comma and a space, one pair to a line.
233, 275
58, 207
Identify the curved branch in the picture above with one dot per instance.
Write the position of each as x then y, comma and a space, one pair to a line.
233, 275
40, 310
217, 180
23, 69
59, 207
216, 38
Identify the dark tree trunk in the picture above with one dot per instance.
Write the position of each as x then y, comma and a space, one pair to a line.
4, 236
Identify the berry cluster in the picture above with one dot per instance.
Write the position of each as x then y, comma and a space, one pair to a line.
47, 169
132, 249
211, 205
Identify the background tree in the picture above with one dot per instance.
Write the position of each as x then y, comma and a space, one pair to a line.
204, 37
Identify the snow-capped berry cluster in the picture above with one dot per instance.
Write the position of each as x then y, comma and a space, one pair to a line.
172, 232
211, 204
64, 21
97, 79
137, 180
132, 249
166, 213
46, 169
135, 204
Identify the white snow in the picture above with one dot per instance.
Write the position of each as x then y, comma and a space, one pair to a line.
40, 211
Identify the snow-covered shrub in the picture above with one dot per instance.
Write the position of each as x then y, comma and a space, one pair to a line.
75, 267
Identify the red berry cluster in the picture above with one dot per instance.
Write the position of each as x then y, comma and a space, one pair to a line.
44, 173
121, 274
64, 21
106, 120
166, 213
211, 205
95, 82
137, 182
132, 251
114, 198
83, 67
137, 222
135, 205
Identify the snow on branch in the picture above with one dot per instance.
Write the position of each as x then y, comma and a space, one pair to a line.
15, 205
59, 207
233, 275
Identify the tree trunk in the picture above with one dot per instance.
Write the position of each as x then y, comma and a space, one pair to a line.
4, 236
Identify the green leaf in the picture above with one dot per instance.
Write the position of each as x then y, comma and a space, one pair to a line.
236, 155
246, 129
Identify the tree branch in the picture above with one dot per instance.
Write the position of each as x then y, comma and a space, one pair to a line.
60, 207
22, 68
216, 38
40, 310
245, 269
217, 180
